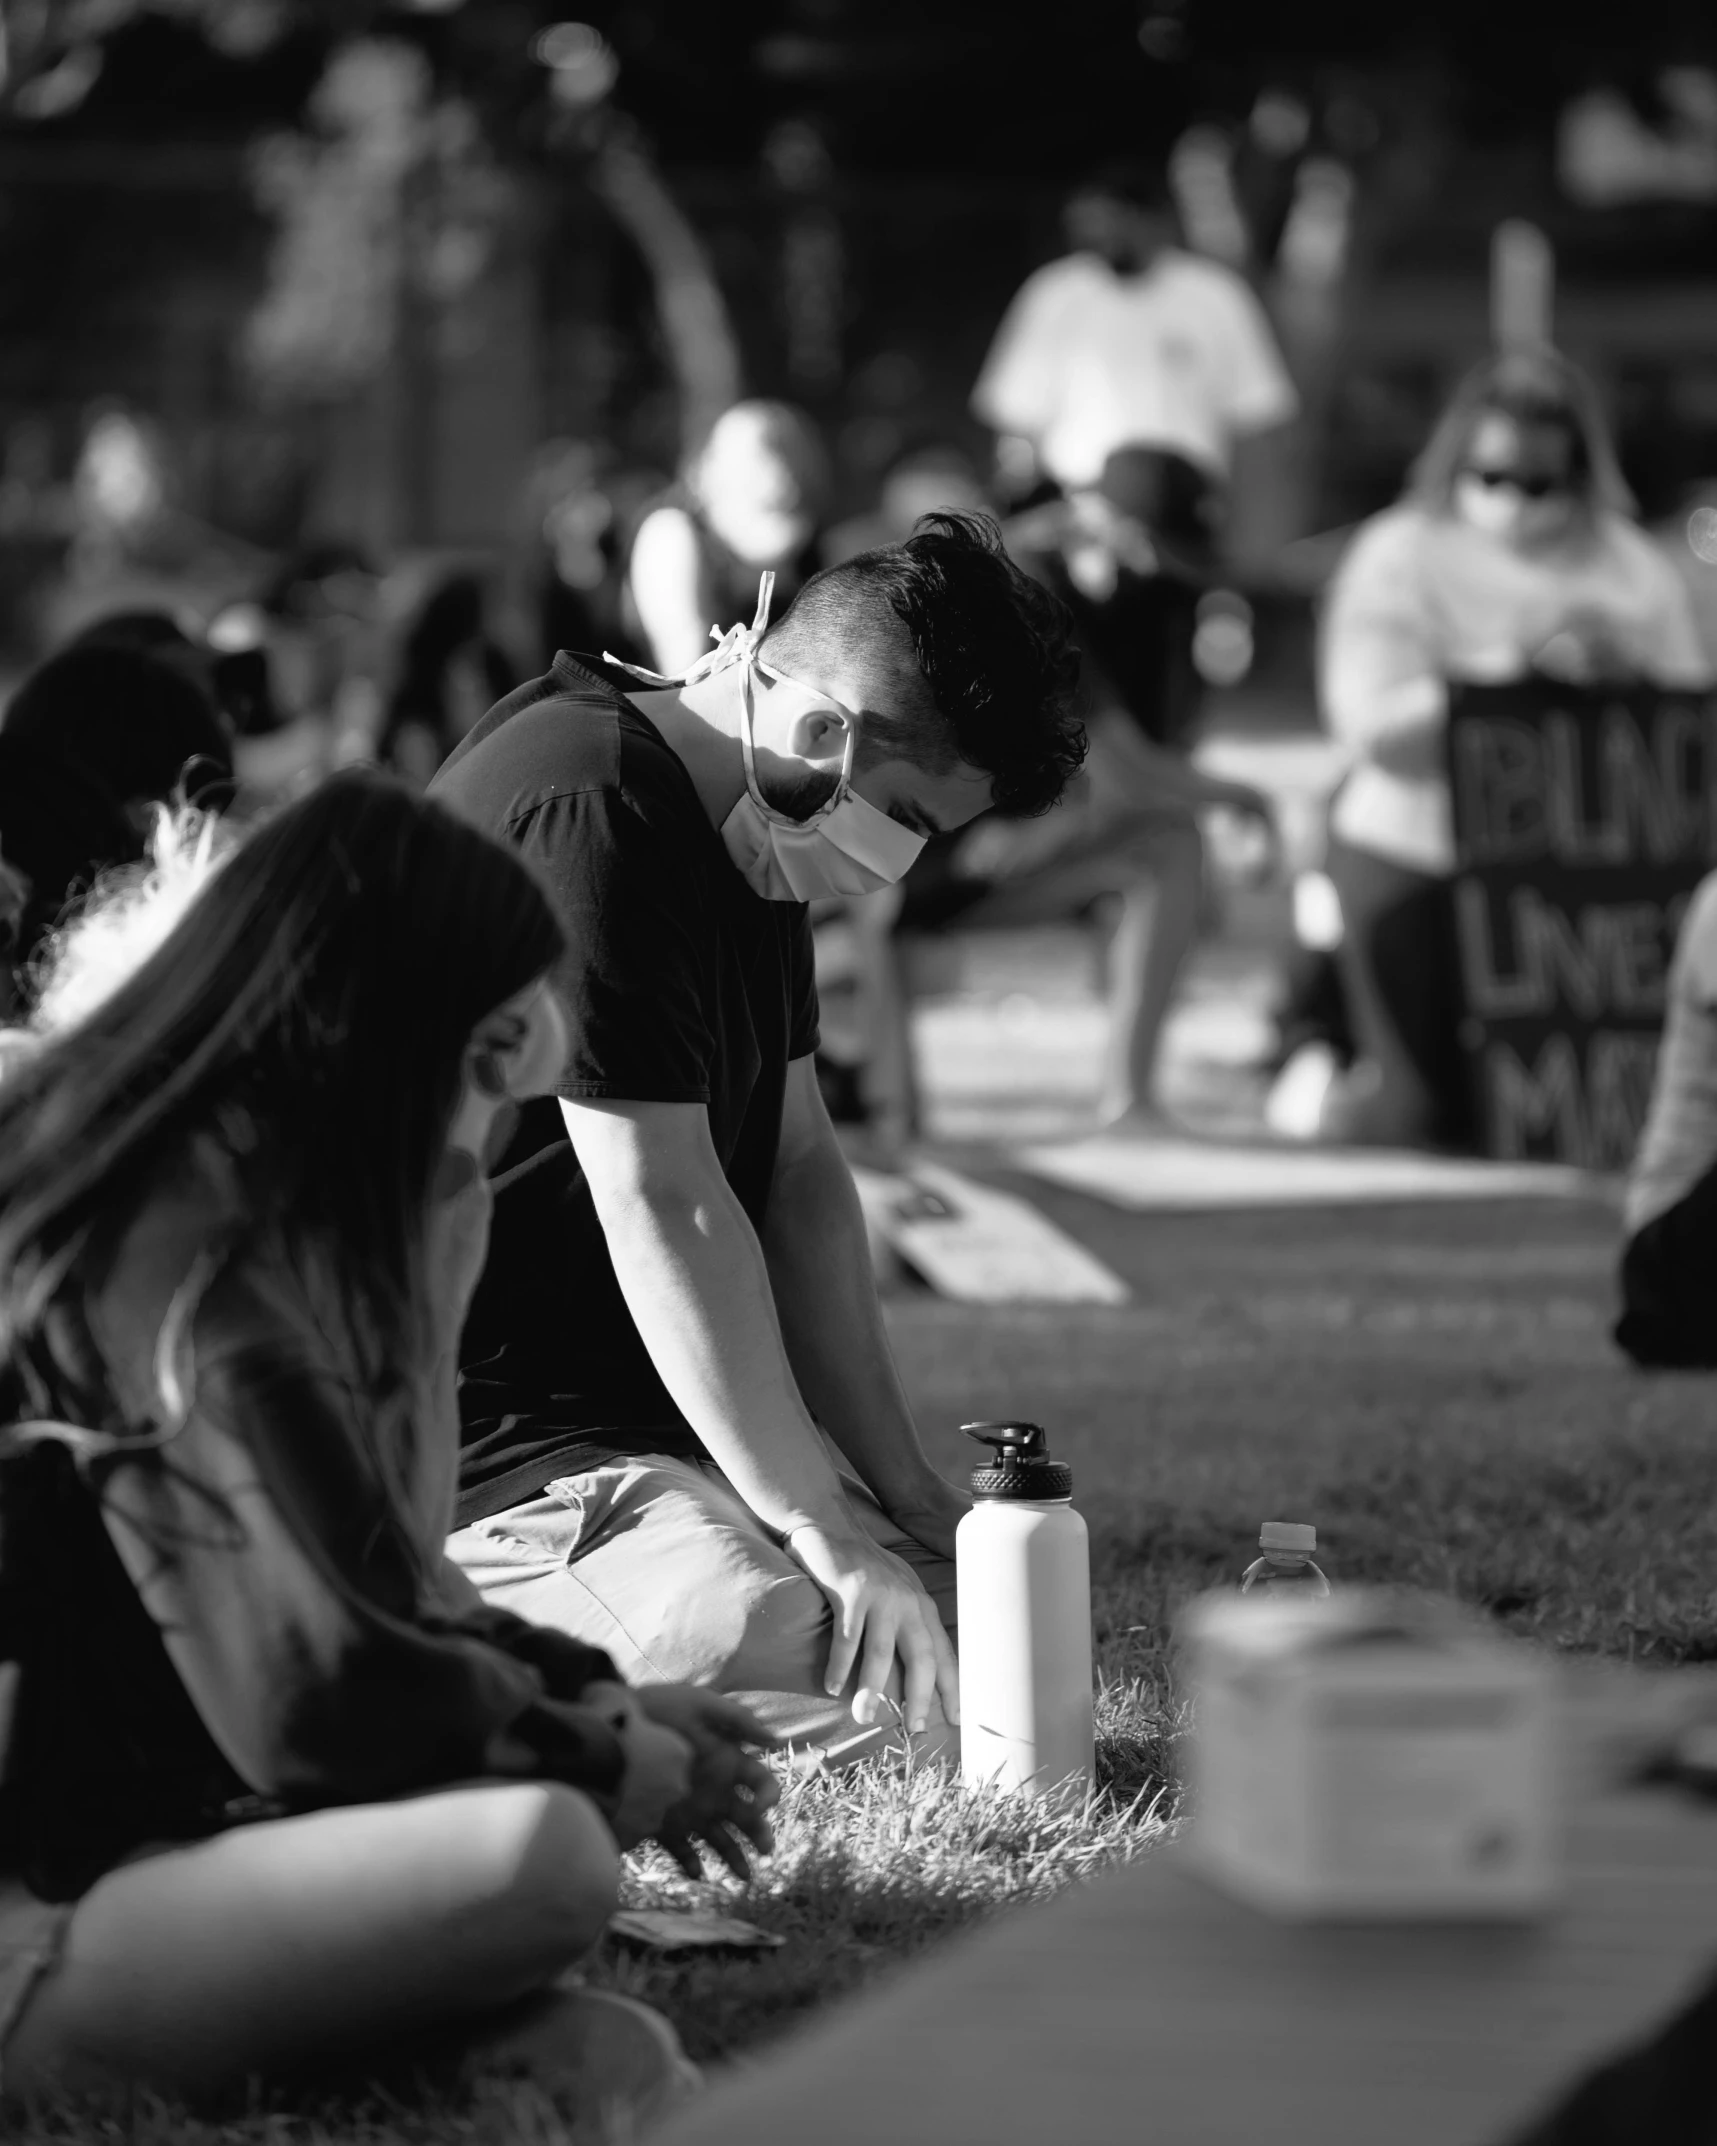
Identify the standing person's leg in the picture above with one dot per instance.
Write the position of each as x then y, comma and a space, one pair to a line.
659, 1561
1391, 1100
304, 1946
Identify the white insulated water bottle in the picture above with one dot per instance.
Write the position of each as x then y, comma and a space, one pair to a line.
1023, 1570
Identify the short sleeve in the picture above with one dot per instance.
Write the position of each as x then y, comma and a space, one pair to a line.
640, 952
1694, 973
1678, 655
1258, 392
804, 1031
1018, 390
1377, 661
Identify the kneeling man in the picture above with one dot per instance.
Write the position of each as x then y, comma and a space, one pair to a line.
684, 1437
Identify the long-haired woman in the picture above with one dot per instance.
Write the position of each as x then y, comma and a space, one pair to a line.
280, 1792
1513, 551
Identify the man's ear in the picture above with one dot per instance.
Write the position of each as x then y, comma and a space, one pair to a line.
818, 735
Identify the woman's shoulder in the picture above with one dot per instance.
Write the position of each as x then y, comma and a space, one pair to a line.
195, 1221
1397, 541
1622, 540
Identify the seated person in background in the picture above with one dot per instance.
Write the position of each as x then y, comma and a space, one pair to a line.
750, 502
1512, 553
316, 625
1669, 1264
282, 1794
450, 672
1127, 557
93, 742
926, 477
679, 1304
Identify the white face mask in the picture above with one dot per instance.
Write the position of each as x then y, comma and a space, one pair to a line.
1505, 512
845, 847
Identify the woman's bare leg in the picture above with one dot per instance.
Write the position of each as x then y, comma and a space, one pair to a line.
280, 1950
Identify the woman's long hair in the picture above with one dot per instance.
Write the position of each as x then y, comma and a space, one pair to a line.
1534, 387
323, 986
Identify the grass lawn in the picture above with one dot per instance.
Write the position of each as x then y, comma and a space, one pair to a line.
1433, 1386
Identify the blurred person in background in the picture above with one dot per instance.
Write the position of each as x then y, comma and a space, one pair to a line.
282, 1795
1130, 340
924, 477
581, 510
1131, 555
316, 626
1513, 552
1127, 556
752, 500
451, 670
236, 680
94, 741
1669, 1261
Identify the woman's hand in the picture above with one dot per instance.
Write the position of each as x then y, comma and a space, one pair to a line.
730, 1793
1587, 652
658, 1766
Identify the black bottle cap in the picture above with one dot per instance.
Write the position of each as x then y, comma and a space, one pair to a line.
1021, 1468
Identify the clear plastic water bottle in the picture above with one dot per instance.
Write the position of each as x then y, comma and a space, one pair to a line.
1287, 1569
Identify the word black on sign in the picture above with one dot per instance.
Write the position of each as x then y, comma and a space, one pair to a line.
1584, 818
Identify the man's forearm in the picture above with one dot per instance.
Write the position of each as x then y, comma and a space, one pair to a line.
696, 1284
825, 1295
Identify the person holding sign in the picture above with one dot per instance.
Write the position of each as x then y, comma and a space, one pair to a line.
1669, 1264
1513, 553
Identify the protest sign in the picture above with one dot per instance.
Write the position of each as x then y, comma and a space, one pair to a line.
1584, 818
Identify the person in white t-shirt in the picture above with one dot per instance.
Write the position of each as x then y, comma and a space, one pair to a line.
1129, 341
1669, 1263
1513, 553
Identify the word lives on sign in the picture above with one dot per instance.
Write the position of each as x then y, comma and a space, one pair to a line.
1584, 819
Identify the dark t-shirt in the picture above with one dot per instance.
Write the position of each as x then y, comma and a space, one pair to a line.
683, 987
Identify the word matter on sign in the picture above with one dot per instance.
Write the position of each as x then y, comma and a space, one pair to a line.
1583, 821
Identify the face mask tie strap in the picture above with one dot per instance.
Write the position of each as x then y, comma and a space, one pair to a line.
739, 644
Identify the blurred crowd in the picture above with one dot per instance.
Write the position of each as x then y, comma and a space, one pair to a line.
1114, 396
1113, 433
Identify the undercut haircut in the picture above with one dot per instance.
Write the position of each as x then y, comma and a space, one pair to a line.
972, 661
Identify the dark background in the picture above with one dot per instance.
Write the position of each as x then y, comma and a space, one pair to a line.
942, 134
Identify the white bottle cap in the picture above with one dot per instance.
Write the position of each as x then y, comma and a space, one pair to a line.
1288, 1535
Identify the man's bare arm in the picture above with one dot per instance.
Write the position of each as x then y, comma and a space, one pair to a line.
825, 1296
696, 1283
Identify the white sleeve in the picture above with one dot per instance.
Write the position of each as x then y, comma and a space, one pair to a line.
1258, 391
1679, 655
1693, 972
664, 578
1018, 388
1377, 662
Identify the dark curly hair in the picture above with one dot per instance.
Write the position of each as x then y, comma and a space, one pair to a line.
975, 661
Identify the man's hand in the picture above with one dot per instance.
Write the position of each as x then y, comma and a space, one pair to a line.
931, 1514
880, 1611
731, 1793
